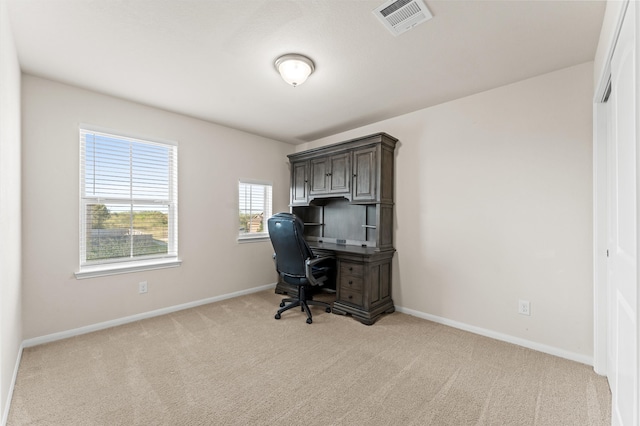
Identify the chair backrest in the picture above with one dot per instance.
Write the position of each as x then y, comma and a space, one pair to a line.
292, 251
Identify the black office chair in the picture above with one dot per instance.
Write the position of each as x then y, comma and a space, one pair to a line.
296, 263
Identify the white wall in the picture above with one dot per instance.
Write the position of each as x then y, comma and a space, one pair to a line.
493, 205
10, 222
211, 160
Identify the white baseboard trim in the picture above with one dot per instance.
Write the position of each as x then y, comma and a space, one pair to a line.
120, 321
572, 356
7, 406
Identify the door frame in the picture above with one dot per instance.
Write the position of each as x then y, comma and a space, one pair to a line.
600, 136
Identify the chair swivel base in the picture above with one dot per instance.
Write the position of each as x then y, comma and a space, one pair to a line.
304, 305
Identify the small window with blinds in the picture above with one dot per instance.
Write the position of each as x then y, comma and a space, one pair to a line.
254, 200
128, 201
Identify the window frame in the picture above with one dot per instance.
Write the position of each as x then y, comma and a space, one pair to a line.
89, 269
243, 237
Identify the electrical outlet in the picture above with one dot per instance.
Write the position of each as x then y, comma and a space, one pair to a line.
524, 307
142, 287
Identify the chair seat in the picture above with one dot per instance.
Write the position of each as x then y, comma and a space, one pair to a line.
318, 273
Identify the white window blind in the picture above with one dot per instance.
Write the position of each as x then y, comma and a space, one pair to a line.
128, 199
254, 201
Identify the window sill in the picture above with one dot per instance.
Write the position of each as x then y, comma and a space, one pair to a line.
253, 239
114, 269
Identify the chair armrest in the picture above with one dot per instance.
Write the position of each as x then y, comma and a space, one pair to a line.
314, 261
310, 263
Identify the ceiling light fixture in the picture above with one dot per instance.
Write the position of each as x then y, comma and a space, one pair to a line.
294, 68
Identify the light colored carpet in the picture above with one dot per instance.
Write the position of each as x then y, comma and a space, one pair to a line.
231, 363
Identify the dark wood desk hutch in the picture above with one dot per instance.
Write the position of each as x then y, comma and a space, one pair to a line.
344, 194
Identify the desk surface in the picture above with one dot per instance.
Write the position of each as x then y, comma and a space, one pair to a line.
344, 248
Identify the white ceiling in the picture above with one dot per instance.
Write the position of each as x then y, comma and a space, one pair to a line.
213, 59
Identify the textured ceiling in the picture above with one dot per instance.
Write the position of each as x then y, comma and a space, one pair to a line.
213, 59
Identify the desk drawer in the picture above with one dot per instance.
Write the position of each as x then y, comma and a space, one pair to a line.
348, 268
351, 283
349, 296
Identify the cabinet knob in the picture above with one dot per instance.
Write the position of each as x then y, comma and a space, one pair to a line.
350, 297
355, 175
350, 282
351, 268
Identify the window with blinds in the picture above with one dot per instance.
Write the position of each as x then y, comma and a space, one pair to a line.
254, 200
128, 199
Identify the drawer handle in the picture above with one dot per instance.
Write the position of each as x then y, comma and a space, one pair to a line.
350, 297
350, 268
350, 282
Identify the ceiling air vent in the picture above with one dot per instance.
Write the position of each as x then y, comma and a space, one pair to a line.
399, 16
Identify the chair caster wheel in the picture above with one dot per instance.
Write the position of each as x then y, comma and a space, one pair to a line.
309, 320
282, 304
328, 310
277, 316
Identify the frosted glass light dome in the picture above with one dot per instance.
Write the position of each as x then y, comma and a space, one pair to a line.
294, 69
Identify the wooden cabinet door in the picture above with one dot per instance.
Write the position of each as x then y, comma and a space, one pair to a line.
364, 175
319, 171
340, 173
299, 182
330, 175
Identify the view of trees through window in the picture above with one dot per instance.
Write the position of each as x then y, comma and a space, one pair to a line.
116, 231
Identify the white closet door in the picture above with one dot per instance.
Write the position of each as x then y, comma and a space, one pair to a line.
623, 241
